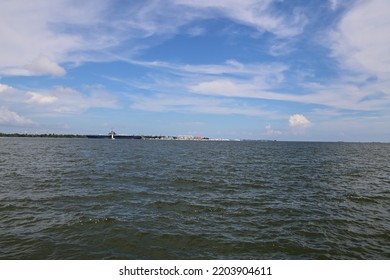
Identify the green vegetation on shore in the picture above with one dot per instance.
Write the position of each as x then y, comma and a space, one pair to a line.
52, 135
43, 135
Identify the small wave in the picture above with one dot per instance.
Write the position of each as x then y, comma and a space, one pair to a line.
102, 220
8, 207
163, 204
362, 199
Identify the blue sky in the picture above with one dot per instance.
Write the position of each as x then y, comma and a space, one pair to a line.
272, 69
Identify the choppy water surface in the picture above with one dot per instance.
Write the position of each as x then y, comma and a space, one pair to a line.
135, 199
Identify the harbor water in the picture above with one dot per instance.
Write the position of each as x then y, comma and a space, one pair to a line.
150, 199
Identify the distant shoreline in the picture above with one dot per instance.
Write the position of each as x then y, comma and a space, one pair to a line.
160, 137
43, 135
117, 136
101, 136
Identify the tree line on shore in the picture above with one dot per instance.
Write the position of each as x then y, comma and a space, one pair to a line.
46, 135
53, 135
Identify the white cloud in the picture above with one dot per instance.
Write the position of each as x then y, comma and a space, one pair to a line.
343, 94
270, 131
4, 88
28, 29
196, 31
11, 118
261, 81
37, 37
65, 100
256, 80
257, 14
43, 65
334, 4
153, 18
41, 98
58, 100
272, 71
221, 87
280, 48
298, 120
197, 104
70, 32
361, 41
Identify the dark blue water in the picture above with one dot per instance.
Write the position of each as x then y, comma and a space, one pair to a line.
140, 199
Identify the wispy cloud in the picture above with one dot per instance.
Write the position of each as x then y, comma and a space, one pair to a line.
10, 118
39, 98
34, 32
334, 4
43, 65
196, 104
234, 79
338, 95
58, 100
360, 42
69, 101
269, 71
257, 14
196, 31
31, 31
270, 131
280, 48
4, 88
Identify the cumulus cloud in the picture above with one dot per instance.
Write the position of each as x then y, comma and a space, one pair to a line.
298, 120
11, 118
43, 65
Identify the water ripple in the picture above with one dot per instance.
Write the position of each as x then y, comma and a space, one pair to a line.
83, 199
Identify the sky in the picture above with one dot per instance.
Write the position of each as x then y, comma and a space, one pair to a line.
316, 70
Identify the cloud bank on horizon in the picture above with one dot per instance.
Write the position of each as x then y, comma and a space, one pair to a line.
288, 70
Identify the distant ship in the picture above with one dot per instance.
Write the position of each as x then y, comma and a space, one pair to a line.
113, 135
